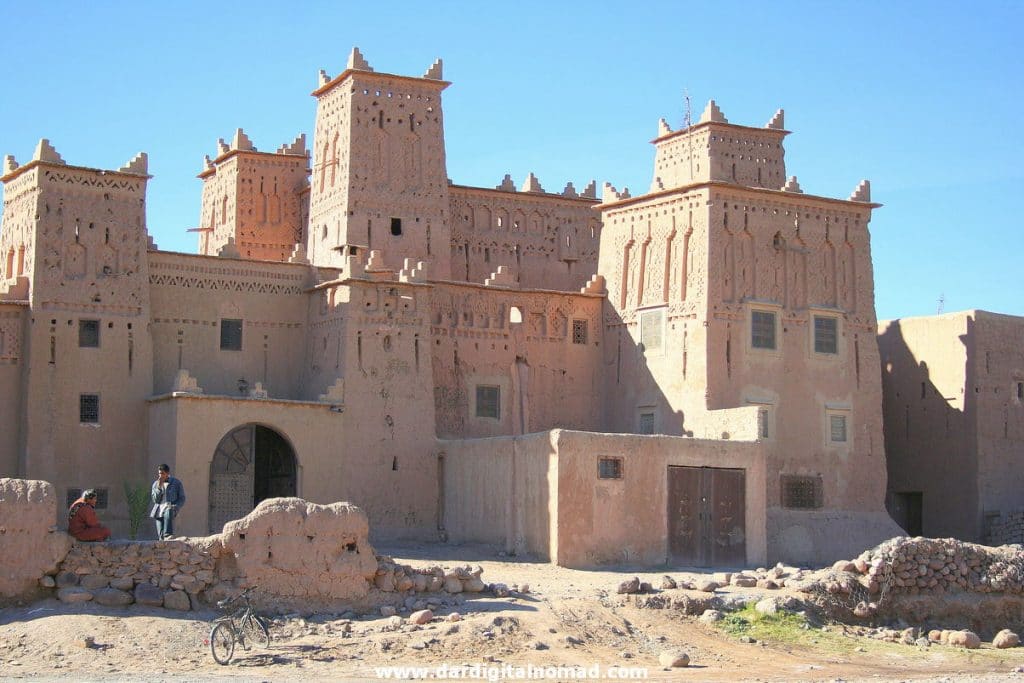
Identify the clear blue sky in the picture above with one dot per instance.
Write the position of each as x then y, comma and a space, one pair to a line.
922, 98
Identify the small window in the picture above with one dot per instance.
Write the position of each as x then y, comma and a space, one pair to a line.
75, 494
89, 334
89, 408
825, 334
646, 423
609, 468
762, 422
488, 402
1020, 391
837, 428
396, 226
762, 329
801, 493
651, 329
579, 331
230, 335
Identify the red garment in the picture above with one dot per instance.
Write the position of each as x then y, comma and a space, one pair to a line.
84, 525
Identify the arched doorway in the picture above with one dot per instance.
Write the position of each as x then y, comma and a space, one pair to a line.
251, 463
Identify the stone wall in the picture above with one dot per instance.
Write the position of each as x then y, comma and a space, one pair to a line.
29, 548
1008, 528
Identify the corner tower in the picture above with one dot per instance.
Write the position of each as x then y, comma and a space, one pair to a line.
715, 150
256, 199
379, 175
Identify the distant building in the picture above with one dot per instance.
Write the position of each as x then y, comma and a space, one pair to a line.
690, 375
954, 424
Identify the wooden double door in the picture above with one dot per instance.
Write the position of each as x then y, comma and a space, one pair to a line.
706, 516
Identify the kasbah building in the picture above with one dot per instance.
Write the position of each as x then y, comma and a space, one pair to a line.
691, 375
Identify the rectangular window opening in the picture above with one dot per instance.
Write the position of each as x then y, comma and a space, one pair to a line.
89, 334
230, 335
579, 331
762, 422
488, 402
646, 423
762, 329
652, 329
609, 468
89, 408
825, 335
396, 226
837, 428
801, 493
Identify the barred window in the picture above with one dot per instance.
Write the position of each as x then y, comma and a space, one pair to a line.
89, 334
801, 493
488, 401
762, 329
837, 428
230, 335
101, 497
762, 422
825, 334
89, 408
651, 329
646, 423
609, 468
579, 331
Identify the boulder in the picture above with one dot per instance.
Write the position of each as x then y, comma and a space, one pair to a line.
74, 594
148, 594
473, 584
112, 597
421, 617
94, 581
708, 586
667, 582
1006, 638
630, 586
177, 600
674, 659
966, 639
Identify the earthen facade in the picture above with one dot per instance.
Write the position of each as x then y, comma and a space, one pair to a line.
356, 327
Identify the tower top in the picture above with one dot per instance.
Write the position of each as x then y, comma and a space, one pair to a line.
357, 64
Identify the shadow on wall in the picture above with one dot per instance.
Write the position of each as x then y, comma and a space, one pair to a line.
932, 466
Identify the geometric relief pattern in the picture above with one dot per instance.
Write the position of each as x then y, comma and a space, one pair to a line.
192, 282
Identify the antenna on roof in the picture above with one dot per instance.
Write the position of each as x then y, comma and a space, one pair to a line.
942, 303
687, 122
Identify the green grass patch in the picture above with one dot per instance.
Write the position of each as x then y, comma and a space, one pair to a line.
781, 627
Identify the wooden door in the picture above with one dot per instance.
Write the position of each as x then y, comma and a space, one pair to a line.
706, 516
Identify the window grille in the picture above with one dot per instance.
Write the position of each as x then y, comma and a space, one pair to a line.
651, 329
488, 402
646, 423
230, 335
89, 408
609, 468
837, 428
762, 329
89, 334
825, 335
579, 331
801, 493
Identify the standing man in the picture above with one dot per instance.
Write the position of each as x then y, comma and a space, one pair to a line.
82, 521
168, 495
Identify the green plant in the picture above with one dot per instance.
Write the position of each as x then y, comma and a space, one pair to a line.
137, 496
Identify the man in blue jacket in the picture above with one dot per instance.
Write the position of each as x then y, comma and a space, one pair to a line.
168, 495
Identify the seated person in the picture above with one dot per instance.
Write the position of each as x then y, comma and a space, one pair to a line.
82, 521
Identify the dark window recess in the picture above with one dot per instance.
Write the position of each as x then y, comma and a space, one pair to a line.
1020, 391
89, 408
89, 334
825, 335
396, 226
837, 428
101, 497
609, 468
762, 329
801, 493
646, 423
488, 402
762, 422
579, 331
230, 335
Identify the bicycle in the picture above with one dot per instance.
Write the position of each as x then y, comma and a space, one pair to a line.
238, 627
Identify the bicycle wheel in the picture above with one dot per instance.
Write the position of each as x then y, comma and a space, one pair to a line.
254, 627
222, 643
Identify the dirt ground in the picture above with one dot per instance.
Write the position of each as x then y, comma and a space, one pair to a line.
568, 618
